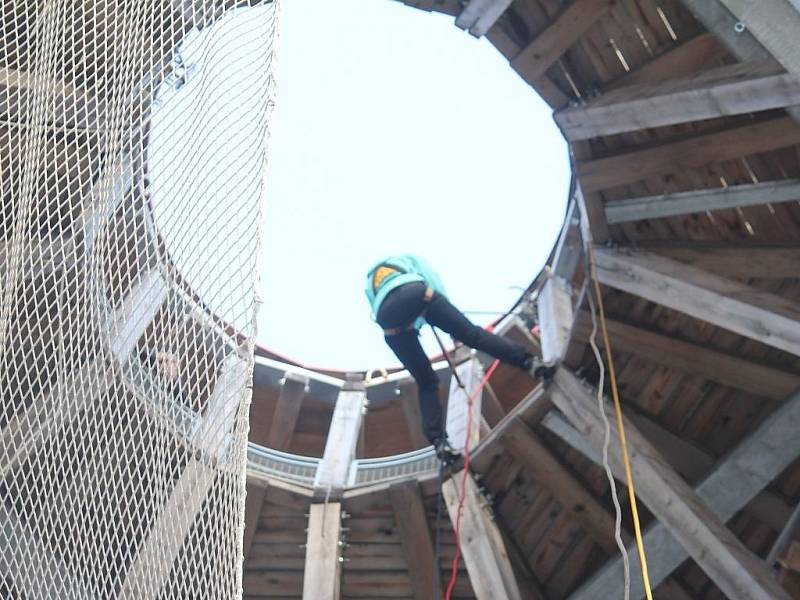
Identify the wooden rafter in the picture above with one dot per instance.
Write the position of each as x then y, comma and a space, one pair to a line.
254, 503
680, 511
747, 262
691, 153
479, 16
322, 575
764, 317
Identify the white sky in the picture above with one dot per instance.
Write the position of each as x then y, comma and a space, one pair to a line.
394, 131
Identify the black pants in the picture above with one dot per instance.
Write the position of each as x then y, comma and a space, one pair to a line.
400, 308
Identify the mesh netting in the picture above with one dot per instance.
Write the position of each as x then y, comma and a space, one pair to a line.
133, 141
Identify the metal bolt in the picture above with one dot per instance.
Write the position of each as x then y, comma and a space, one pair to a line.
739, 27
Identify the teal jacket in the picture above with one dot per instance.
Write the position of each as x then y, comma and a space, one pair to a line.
394, 271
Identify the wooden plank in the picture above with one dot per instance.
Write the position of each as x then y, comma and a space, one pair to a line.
33, 566
254, 502
485, 556
700, 201
774, 23
746, 262
680, 511
340, 447
322, 574
479, 16
660, 108
470, 373
150, 569
554, 306
764, 317
287, 409
525, 446
536, 58
687, 154
717, 366
415, 537
411, 410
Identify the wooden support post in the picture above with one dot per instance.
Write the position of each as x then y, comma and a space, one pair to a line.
764, 317
679, 510
340, 446
162, 545
659, 105
32, 566
526, 448
479, 16
254, 503
692, 358
322, 575
700, 201
415, 537
686, 154
410, 401
470, 373
287, 409
482, 545
555, 318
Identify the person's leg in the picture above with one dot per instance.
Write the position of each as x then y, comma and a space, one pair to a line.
407, 348
402, 306
442, 314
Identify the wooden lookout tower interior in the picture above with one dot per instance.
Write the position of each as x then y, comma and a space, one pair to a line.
683, 122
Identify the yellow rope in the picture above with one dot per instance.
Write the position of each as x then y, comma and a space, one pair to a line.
620, 425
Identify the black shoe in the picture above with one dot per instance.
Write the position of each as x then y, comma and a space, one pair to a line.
445, 452
540, 369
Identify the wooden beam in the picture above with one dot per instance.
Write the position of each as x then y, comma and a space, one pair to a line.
700, 201
687, 357
659, 107
415, 538
536, 58
722, 23
679, 510
162, 545
687, 154
254, 503
479, 16
774, 23
322, 575
287, 409
485, 556
470, 373
413, 416
764, 317
340, 447
746, 262
526, 448
31, 564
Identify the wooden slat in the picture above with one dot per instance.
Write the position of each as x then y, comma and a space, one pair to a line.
740, 477
679, 510
479, 16
695, 359
287, 410
687, 154
151, 567
545, 468
747, 262
534, 60
659, 107
482, 546
322, 575
415, 537
458, 409
411, 410
764, 317
554, 306
700, 201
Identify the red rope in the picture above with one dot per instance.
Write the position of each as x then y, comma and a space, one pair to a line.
463, 492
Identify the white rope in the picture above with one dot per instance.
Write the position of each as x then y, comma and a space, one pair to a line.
606, 442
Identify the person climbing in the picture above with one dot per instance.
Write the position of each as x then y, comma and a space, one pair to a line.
404, 292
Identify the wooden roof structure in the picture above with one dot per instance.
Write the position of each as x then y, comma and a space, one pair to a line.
686, 154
